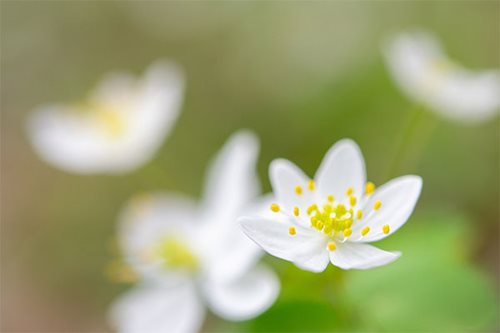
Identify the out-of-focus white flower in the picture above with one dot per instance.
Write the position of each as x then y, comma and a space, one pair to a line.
119, 127
331, 217
188, 256
424, 72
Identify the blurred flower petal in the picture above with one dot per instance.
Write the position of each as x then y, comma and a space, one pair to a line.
117, 130
423, 71
151, 308
245, 298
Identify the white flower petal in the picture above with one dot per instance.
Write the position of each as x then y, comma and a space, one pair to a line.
232, 184
306, 248
342, 167
398, 198
285, 177
360, 256
244, 298
146, 220
82, 138
423, 71
154, 308
232, 181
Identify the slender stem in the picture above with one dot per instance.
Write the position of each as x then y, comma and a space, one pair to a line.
413, 139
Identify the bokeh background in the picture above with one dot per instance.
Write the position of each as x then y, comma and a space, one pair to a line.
302, 75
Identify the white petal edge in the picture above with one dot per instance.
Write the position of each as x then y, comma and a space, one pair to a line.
307, 248
360, 256
231, 186
245, 298
342, 167
285, 177
232, 181
154, 308
398, 197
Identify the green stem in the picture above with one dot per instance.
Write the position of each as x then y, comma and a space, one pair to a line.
413, 140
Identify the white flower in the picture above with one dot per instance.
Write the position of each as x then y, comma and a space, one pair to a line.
331, 217
189, 256
424, 72
118, 129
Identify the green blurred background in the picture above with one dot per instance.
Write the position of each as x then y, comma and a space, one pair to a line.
302, 75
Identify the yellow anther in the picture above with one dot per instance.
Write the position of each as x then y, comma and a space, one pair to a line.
311, 208
365, 231
377, 205
353, 200
311, 185
349, 191
359, 214
298, 190
296, 211
369, 188
275, 207
386, 229
319, 225
347, 232
292, 231
331, 246
330, 198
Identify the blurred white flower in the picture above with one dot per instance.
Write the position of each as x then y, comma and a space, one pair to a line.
118, 129
331, 217
188, 256
423, 71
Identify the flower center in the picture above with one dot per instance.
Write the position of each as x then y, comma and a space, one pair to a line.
333, 218
174, 253
111, 120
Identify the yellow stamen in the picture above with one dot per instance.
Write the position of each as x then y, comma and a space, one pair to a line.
386, 229
296, 211
311, 185
311, 208
359, 214
331, 246
352, 200
347, 232
349, 191
292, 231
275, 207
365, 231
330, 198
369, 188
319, 225
377, 205
298, 190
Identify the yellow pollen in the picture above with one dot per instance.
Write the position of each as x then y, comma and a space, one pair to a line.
386, 229
310, 185
331, 246
369, 188
359, 214
298, 190
275, 207
365, 231
292, 231
377, 205
330, 198
352, 200
349, 191
296, 211
347, 232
